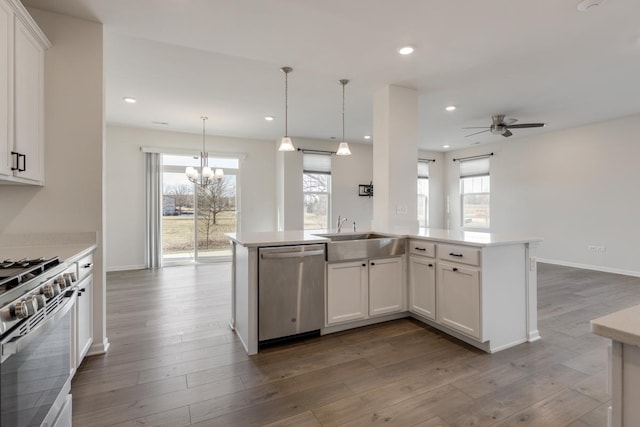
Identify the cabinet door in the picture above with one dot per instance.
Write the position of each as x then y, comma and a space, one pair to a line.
346, 291
459, 298
422, 286
84, 319
385, 286
29, 103
6, 66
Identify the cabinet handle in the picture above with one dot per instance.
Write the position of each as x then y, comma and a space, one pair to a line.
455, 269
420, 249
373, 263
452, 254
15, 161
24, 162
88, 265
364, 265
430, 265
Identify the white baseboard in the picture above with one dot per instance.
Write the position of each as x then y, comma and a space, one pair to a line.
126, 267
99, 348
590, 267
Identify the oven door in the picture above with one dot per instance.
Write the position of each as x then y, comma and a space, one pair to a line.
35, 378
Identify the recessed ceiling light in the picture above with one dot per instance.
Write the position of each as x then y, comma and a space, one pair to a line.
585, 5
130, 100
445, 146
451, 108
367, 137
269, 118
406, 50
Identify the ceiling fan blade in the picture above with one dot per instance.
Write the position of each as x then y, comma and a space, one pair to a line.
507, 133
477, 127
525, 125
509, 121
482, 131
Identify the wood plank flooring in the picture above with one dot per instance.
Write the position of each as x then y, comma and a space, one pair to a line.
174, 361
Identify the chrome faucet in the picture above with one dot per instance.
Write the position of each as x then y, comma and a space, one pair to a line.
340, 222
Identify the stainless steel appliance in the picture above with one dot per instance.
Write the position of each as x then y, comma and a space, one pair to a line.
36, 301
290, 291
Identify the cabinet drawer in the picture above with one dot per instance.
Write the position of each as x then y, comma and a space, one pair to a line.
462, 254
85, 266
420, 247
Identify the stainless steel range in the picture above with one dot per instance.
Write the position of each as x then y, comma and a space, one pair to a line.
36, 301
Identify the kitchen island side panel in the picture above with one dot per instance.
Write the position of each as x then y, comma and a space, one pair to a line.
245, 292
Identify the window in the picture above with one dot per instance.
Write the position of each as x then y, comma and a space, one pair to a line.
316, 188
423, 193
475, 193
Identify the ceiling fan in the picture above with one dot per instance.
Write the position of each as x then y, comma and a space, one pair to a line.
502, 126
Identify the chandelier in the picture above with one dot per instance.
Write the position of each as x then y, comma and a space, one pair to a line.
205, 175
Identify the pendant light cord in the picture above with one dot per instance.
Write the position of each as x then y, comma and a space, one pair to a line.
343, 82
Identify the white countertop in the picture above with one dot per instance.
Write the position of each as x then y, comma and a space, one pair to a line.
473, 238
66, 246
622, 326
275, 238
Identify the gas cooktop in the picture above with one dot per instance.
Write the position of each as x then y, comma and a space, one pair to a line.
15, 273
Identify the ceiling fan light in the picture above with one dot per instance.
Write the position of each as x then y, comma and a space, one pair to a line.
343, 149
286, 144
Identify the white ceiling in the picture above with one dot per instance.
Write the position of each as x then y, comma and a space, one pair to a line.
537, 60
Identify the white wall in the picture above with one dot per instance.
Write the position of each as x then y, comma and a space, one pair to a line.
71, 200
125, 185
574, 188
347, 172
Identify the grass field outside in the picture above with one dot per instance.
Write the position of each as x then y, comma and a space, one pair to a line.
177, 233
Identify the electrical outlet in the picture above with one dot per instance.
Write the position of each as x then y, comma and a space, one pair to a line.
401, 209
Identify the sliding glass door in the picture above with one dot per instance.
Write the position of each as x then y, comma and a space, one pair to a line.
195, 218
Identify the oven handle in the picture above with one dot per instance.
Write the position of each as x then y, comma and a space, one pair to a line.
16, 344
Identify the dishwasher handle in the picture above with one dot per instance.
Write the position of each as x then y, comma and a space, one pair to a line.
297, 254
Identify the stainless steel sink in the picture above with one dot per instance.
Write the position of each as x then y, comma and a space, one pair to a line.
354, 246
358, 236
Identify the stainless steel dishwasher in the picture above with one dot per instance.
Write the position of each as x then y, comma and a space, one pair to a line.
290, 291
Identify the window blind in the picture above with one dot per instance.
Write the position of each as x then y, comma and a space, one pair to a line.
476, 167
423, 169
316, 163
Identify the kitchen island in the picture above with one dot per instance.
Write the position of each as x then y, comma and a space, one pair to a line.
623, 329
478, 287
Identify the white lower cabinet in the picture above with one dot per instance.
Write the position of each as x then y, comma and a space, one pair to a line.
385, 286
459, 303
361, 289
347, 291
422, 286
84, 319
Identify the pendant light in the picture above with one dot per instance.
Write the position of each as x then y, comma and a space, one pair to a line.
205, 176
285, 143
343, 147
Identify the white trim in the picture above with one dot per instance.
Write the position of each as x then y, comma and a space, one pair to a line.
193, 152
590, 267
23, 15
126, 268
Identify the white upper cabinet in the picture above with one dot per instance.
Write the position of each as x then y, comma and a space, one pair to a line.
6, 68
22, 48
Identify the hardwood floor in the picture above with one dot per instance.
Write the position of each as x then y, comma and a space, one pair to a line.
173, 361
